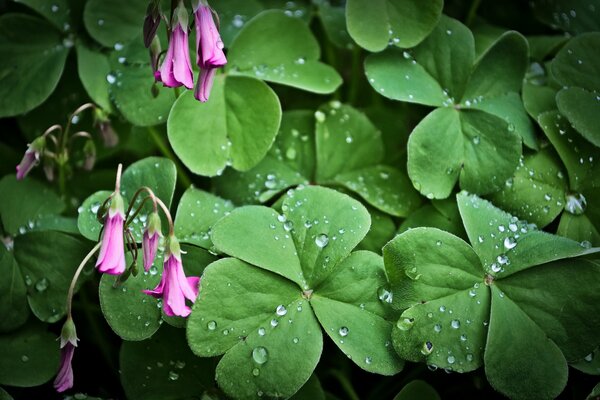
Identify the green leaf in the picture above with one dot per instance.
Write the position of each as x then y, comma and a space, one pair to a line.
13, 293
58, 12
130, 86
577, 63
537, 190
93, 68
574, 16
281, 49
538, 99
47, 271
236, 127
22, 203
111, 22
541, 358
507, 245
403, 22
256, 359
197, 212
132, 314
417, 389
349, 311
382, 231
163, 367
29, 356
441, 214
247, 231
233, 15
579, 228
333, 20
87, 221
311, 390
590, 364
595, 393
582, 109
459, 139
4, 395
33, 58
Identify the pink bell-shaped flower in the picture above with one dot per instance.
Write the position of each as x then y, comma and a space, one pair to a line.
150, 240
176, 68
111, 259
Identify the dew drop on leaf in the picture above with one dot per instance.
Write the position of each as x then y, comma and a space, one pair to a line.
260, 355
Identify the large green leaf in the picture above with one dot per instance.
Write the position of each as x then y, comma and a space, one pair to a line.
33, 58
235, 127
582, 109
417, 390
48, 261
163, 368
30, 356
404, 23
574, 16
112, 22
13, 293
23, 203
281, 49
58, 12
460, 313
93, 68
233, 15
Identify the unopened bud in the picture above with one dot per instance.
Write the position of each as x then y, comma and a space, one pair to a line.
151, 22
89, 154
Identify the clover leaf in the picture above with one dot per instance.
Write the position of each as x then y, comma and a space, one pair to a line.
577, 69
293, 274
281, 49
498, 302
338, 147
573, 16
475, 133
113, 23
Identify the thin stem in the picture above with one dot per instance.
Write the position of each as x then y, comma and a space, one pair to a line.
62, 179
167, 214
356, 75
79, 110
76, 276
184, 179
53, 128
472, 12
80, 134
118, 179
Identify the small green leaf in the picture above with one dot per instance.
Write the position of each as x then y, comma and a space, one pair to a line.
441, 214
582, 109
87, 221
233, 15
574, 16
382, 231
537, 190
22, 203
236, 127
590, 364
111, 22
577, 63
311, 390
30, 356
197, 212
33, 59
417, 389
281, 49
48, 261
333, 20
93, 68
404, 23
13, 293
541, 358
348, 309
163, 368
58, 12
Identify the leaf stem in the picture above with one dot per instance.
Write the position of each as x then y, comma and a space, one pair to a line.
345, 384
76, 276
184, 179
472, 12
356, 75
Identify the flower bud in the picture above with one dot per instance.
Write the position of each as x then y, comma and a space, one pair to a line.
150, 240
31, 157
89, 154
151, 22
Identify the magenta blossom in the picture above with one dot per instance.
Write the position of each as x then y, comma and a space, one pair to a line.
205, 82
112, 253
68, 342
150, 240
209, 46
176, 69
174, 286
31, 157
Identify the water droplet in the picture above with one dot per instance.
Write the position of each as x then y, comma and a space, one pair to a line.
281, 310
343, 331
320, 116
153, 270
368, 360
256, 372
455, 324
463, 338
427, 348
576, 203
274, 322
476, 140
502, 259
451, 359
322, 240
442, 308
495, 267
295, 340
260, 355
41, 285
384, 294
173, 376
261, 331
24, 358
404, 324
510, 243
180, 364
212, 325
469, 357
589, 357
118, 46
437, 328
110, 78
290, 153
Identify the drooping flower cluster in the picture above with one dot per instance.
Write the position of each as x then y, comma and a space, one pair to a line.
176, 68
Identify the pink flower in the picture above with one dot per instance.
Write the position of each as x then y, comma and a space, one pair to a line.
205, 82
150, 240
209, 46
174, 286
68, 342
31, 157
112, 253
176, 69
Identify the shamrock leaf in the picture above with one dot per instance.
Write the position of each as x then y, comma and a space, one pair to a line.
30, 48
573, 16
293, 273
496, 302
113, 23
577, 69
345, 150
278, 48
578, 222
477, 129
404, 23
